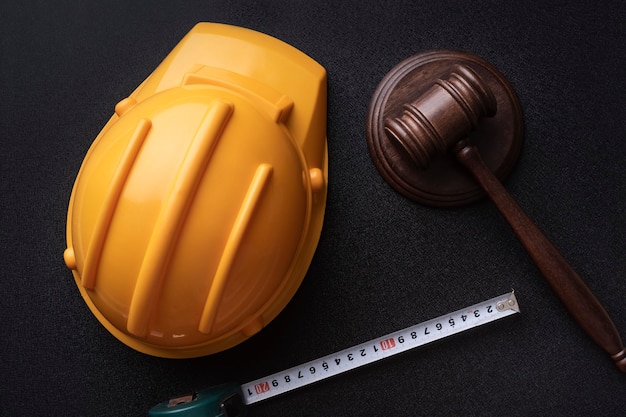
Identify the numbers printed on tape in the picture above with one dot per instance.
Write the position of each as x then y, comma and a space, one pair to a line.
389, 345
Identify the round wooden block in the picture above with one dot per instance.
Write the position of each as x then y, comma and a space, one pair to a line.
445, 183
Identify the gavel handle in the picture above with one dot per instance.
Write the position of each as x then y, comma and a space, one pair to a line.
565, 282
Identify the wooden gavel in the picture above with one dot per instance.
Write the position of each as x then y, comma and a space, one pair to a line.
440, 120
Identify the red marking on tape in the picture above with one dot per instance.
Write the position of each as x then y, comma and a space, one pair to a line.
388, 344
262, 387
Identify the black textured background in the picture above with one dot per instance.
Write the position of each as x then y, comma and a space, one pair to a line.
383, 262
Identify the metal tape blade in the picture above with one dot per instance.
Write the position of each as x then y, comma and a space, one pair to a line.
380, 348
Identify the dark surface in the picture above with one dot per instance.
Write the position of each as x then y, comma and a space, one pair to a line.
383, 262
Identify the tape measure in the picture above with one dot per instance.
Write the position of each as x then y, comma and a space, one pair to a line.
230, 400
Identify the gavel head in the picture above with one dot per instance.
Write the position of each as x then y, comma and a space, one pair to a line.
427, 104
442, 116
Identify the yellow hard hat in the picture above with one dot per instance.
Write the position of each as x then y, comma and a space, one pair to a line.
198, 208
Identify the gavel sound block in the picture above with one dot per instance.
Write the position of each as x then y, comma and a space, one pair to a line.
443, 114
